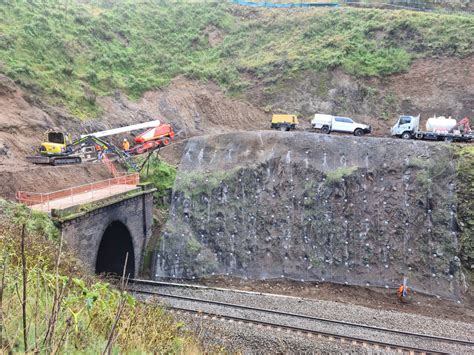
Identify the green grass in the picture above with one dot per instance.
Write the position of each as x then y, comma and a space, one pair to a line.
73, 52
335, 176
162, 175
86, 308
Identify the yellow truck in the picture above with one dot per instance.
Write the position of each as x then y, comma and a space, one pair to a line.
284, 122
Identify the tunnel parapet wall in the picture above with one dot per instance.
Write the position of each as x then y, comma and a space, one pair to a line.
82, 231
306, 206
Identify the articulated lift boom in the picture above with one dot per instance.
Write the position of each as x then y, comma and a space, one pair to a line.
113, 131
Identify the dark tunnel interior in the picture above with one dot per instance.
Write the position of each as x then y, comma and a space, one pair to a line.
114, 246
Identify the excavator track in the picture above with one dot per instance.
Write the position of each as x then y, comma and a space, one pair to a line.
55, 161
66, 160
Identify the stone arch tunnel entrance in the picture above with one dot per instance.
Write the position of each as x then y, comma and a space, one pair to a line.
114, 246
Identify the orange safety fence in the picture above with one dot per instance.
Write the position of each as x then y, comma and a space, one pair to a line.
35, 198
110, 165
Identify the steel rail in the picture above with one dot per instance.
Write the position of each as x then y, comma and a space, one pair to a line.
331, 336
290, 314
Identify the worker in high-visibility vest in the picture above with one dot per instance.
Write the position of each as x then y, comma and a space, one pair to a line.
125, 144
99, 151
402, 291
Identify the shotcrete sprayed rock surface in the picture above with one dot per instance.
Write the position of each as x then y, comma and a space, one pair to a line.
306, 206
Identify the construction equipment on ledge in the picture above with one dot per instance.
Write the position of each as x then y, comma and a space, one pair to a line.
88, 148
126, 129
59, 149
284, 122
464, 126
437, 129
154, 138
158, 135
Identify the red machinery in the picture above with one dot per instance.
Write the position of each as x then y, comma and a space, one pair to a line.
465, 124
158, 136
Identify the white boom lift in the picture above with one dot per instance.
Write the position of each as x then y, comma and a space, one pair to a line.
119, 130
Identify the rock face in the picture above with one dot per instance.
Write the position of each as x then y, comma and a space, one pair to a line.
306, 206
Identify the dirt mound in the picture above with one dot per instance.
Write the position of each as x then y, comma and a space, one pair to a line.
435, 87
193, 108
23, 120
20, 121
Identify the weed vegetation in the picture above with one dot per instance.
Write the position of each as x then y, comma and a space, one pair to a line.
465, 169
336, 176
47, 305
72, 52
162, 175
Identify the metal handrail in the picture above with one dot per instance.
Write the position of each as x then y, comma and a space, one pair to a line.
30, 198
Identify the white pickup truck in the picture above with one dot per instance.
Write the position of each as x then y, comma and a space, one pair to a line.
329, 123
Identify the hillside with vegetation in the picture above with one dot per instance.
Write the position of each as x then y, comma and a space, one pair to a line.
72, 53
206, 68
49, 305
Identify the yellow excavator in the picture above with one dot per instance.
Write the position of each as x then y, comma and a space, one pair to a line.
59, 149
55, 142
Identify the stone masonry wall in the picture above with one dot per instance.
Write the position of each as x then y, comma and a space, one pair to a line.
84, 234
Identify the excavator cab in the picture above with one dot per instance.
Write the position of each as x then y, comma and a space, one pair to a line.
55, 143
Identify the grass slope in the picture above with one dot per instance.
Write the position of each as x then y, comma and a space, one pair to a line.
72, 52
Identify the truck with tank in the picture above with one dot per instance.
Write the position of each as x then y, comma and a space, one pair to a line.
437, 129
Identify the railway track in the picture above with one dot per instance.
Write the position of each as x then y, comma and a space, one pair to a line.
196, 305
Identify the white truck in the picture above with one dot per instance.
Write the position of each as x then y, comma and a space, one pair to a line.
329, 123
437, 129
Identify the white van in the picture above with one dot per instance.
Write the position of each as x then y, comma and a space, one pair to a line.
329, 123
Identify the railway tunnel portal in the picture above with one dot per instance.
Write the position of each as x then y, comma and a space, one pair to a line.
115, 252
106, 235
105, 224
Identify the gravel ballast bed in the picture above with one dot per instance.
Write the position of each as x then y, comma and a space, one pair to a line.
330, 310
251, 339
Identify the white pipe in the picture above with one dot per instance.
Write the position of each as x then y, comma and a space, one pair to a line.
113, 131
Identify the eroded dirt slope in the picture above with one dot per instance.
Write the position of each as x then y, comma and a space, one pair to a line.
432, 86
23, 119
435, 86
193, 108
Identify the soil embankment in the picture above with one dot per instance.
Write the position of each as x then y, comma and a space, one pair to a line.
192, 107
431, 86
306, 206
